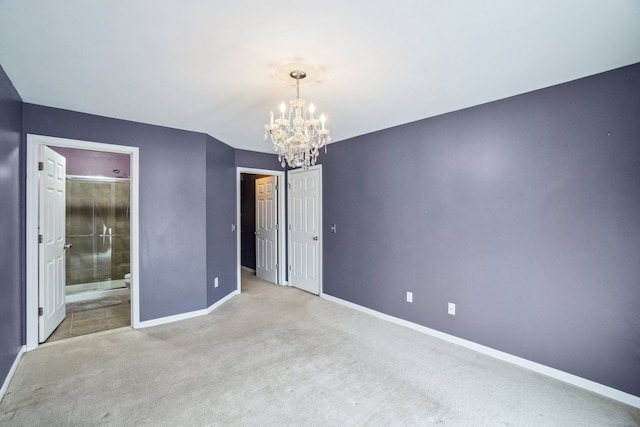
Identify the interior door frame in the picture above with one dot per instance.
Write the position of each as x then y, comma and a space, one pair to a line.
33, 144
320, 229
281, 276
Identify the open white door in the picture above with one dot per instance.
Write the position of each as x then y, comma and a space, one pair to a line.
267, 229
52, 217
305, 225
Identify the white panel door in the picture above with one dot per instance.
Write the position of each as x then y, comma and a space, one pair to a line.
52, 217
266, 229
305, 210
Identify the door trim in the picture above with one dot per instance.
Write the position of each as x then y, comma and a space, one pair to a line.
320, 229
33, 142
281, 221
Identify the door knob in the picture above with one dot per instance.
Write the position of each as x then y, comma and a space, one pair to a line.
67, 246
315, 237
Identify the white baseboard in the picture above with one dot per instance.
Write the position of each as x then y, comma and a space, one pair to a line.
12, 371
251, 270
557, 374
217, 304
184, 316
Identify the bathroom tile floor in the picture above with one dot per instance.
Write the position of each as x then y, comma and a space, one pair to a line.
92, 321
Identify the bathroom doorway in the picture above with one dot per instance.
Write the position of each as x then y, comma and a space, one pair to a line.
101, 238
97, 258
97, 224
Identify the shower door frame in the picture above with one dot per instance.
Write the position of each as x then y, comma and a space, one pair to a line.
33, 144
94, 235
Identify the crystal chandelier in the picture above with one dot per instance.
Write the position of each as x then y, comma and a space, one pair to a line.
297, 140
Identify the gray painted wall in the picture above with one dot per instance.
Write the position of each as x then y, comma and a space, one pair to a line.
221, 214
524, 212
173, 202
11, 220
252, 159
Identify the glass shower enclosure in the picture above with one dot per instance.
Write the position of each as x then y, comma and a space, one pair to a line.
97, 226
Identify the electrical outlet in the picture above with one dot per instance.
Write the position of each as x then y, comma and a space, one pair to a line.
452, 309
409, 296
215, 282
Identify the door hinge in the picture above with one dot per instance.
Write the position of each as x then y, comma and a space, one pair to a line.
40, 311
276, 266
289, 226
39, 238
289, 267
277, 227
40, 166
277, 187
289, 185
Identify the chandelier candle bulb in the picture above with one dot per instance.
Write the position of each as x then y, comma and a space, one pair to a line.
283, 108
322, 119
312, 109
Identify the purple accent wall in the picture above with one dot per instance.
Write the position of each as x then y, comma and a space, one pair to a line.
524, 212
175, 167
221, 214
252, 159
11, 224
94, 163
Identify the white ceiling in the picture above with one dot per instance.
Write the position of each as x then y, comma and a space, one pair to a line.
209, 65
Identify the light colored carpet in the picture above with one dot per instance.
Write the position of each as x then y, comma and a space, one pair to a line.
280, 356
